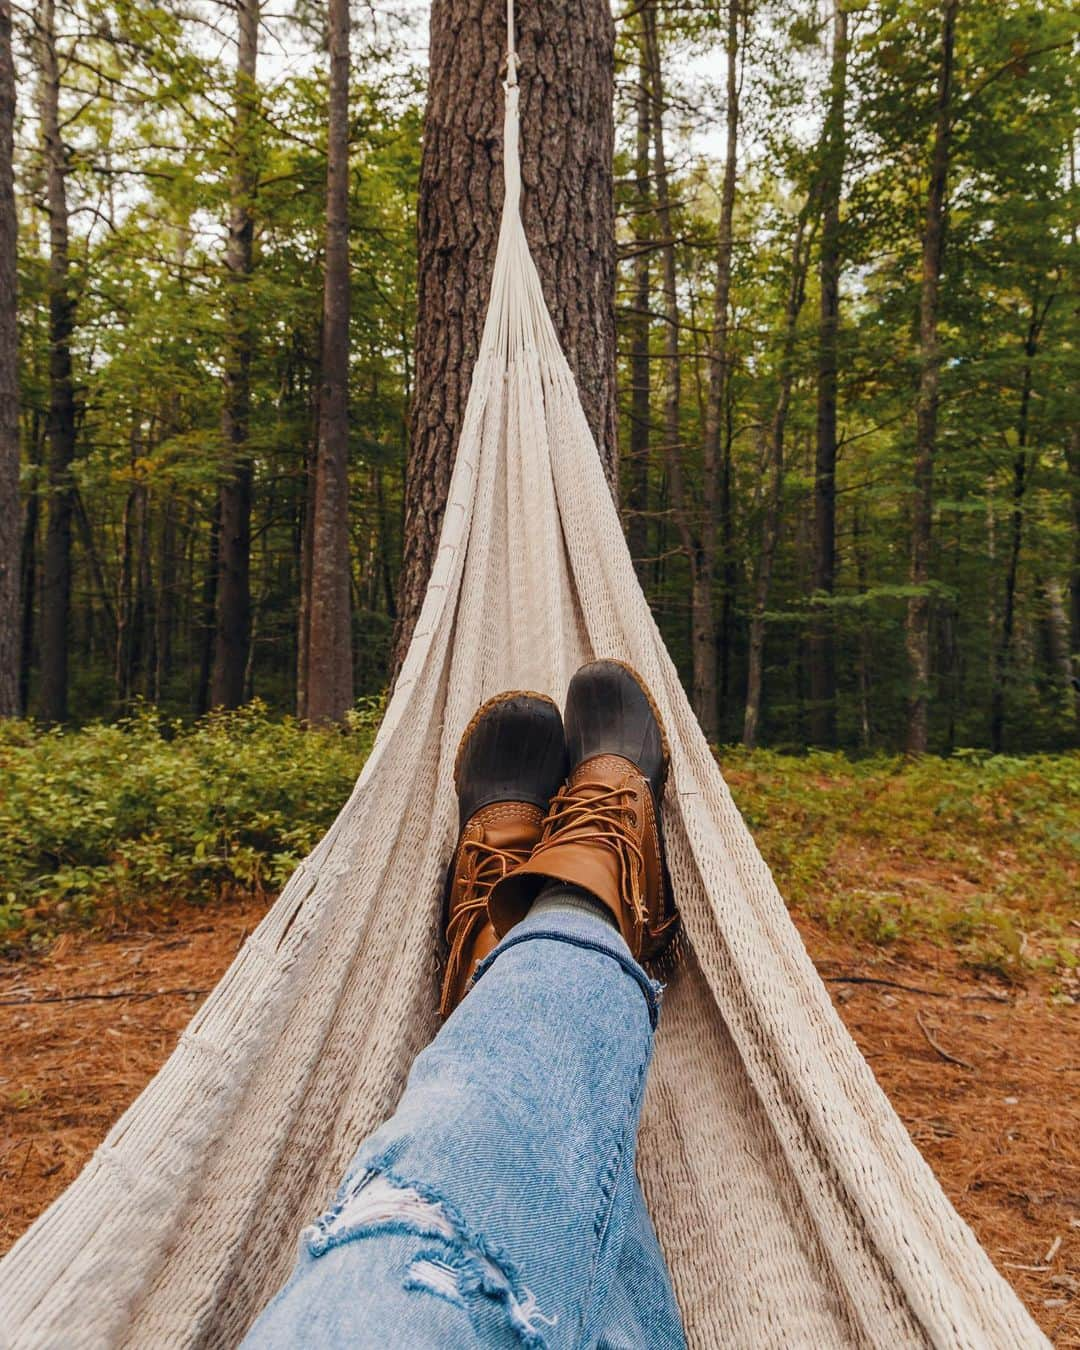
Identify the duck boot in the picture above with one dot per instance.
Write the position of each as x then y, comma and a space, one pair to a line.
602, 832
511, 760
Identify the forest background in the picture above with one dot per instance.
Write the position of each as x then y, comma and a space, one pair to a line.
847, 376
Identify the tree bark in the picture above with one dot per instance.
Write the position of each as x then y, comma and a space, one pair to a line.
1022, 467
822, 656
60, 424
329, 678
774, 474
28, 586
566, 75
715, 470
10, 523
917, 629
232, 620
681, 510
637, 502
1073, 460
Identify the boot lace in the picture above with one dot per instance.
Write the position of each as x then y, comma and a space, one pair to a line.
479, 866
592, 812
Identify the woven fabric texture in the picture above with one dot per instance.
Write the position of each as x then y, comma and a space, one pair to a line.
792, 1206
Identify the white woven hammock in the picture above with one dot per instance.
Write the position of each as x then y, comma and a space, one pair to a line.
792, 1206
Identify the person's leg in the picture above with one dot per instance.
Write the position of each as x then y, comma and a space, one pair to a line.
640, 1308
497, 1204
499, 1201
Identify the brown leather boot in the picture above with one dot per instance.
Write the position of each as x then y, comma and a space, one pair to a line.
512, 758
602, 832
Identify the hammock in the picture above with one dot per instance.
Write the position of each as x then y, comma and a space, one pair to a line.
792, 1206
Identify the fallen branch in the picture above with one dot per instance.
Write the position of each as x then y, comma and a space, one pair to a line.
118, 993
951, 1059
888, 984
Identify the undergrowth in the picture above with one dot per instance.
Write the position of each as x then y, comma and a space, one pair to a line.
976, 851
145, 809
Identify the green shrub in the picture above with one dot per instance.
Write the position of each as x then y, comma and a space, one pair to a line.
978, 851
142, 809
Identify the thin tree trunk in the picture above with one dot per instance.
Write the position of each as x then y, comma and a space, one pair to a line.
862, 572
822, 656
566, 75
165, 613
714, 467
329, 684
10, 523
1022, 467
29, 569
1072, 458
672, 437
917, 630
774, 476
232, 627
209, 610
637, 504
1073, 454
60, 425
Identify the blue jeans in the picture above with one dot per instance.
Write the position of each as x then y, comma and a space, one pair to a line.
499, 1205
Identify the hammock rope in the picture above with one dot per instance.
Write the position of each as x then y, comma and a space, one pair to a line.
791, 1204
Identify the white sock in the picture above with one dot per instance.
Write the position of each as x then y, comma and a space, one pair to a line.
558, 895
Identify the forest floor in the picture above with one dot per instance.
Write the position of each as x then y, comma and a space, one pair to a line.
984, 1072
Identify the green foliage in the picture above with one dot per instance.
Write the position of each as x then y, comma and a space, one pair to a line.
978, 851
148, 808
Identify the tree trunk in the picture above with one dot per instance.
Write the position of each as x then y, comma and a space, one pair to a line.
689, 529
29, 569
774, 476
566, 75
329, 676
714, 466
165, 614
1073, 452
917, 631
637, 503
232, 621
822, 656
1021, 474
10, 523
60, 425
208, 610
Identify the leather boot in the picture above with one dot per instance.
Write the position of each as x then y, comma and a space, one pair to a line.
511, 759
602, 832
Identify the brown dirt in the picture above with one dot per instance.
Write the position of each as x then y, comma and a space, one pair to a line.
1001, 1127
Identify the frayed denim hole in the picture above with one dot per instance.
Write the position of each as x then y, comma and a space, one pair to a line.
379, 1203
428, 1272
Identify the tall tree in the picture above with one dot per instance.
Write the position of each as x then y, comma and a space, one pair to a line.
774, 467
10, 542
703, 567
1022, 468
232, 617
566, 74
328, 681
60, 424
822, 657
637, 497
917, 630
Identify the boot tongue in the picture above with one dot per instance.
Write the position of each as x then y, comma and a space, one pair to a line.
509, 825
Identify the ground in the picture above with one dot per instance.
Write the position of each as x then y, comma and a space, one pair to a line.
985, 1073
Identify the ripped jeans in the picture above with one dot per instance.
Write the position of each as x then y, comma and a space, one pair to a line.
499, 1205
